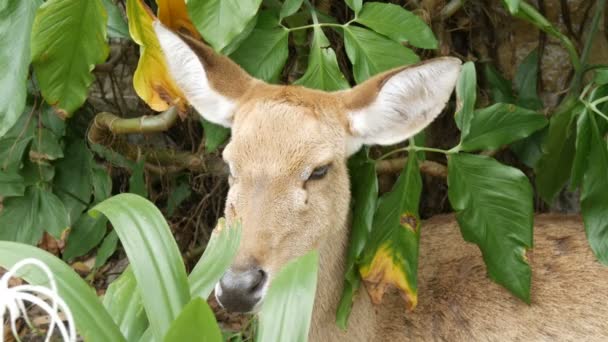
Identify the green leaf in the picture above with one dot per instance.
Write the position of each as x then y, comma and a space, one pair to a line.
123, 302
107, 248
323, 72
529, 150
554, 167
16, 17
92, 321
594, 192
287, 307
390, 258
500, 87
177, 196
72, 181
218, 255
25, 218
264, 53
137, 181
466, 95
11, 184
220, 21
215, 135
500, 124
582, 149
154, 256
355, 5
526, 79
195, 323
493, 204
35, 172
398, 24
46, 145
601, 76
371, 53
52, 121
102, 183
290, 7
241, 37
85, 234
512, 5
11, 152
68, 39
117, 26
364, 189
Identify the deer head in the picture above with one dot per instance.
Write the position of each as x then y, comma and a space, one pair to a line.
287, 156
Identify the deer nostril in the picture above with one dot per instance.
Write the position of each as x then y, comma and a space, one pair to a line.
259, 281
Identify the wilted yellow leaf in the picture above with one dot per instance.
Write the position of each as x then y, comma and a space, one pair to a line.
174, 14
152, 81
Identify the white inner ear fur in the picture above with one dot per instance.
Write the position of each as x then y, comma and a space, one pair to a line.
406, 104
189, 74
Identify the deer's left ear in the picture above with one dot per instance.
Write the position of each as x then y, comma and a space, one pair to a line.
397, 104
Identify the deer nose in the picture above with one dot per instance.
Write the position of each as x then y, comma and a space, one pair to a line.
240, 291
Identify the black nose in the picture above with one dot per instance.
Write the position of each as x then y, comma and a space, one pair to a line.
240, 291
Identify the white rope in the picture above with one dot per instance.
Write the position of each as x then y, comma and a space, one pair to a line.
12, 301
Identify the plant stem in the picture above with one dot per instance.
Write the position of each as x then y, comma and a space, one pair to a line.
413, 148
290, 29
578, 76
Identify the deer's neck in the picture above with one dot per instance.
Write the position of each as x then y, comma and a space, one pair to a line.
332, 255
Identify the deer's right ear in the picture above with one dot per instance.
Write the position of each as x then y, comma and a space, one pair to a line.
211, 83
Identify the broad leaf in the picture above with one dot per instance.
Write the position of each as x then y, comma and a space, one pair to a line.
323, 71
86, 233
137, 181
584, 136
525, 81
178, 194
46, 145
287, 307
512, 5
364, 189
72, 181
123, 302
24, 219
154, 256
16, 17
151, 80
594, 192
398, 24
68, 39
241, 37
220, 21
218, 255
106, 249
11, 152
355, 5
264, 53
390, 258
11, 184
195, 323
500, 124
493, 204
371, 53
93, 322
554, 167
102, 183
466, 95
117, 26
290, 7
500, 87
215, 135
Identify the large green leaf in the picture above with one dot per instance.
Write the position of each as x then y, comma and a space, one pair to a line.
287, 306
355, 5
154, 256
11, 152
92, 321
364, 189
500, 124
72, 182
215, 135
390, 258
86, 233
264, 53
500, 87
46, 145
493, 204
16, 17
68, 39
582, 147
123, 302
11, 184
371, 53
24, 219
117, 26
137, 180
398, 24
106, 249
218, 255
466, 96
594, 192
290, 7
525, 81
196, 323
323, 71
554, 166
220, 21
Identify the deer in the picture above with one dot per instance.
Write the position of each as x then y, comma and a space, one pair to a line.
289, 185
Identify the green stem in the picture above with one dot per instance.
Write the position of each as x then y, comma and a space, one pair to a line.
413, 148
290, 29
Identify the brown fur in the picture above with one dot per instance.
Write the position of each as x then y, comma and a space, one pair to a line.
279, 132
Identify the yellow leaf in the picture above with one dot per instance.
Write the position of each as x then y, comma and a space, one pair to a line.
152, 81
174, 14
384, 273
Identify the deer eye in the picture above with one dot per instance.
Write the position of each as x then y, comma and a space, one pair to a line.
319, 172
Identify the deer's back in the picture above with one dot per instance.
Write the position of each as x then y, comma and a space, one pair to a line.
458, 302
